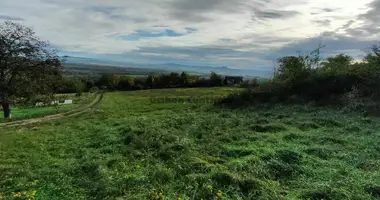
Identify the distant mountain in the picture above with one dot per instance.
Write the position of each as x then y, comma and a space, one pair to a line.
173, 67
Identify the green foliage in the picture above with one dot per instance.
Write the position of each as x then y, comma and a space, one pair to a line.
171, 80
216, 80
303, 79
184, 79
291, 68
337, 65
126, 83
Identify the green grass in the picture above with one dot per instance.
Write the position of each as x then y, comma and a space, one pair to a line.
33, 112
27, 113
127, 147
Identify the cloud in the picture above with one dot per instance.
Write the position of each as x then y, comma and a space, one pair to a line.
348, 24
332, 44
364, 25
6, 17
373, 15
274, 14
372, 18
146, 34
324, 22
199, 10
237, 33
325, 10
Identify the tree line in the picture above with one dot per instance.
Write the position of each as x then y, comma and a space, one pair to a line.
112, 82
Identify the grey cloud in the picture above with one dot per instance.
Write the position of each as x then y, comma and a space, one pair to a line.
325, 10
273, 14
348, 24
103, 9
373, 15
328, 10
202, 55
334, 44
325, 22
201, 5
371, 19
199, 10
6, 17
197, 52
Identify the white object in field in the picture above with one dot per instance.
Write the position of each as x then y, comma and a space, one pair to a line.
68, 102
39, 104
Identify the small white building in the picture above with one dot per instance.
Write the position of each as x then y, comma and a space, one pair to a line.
68, 102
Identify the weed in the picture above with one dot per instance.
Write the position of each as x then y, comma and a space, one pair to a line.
305, 126
268, 128
373, 190
284, 164
319, 152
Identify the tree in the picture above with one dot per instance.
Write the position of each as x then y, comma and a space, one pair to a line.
373, 58
337, 64
150, 81
29, 67
184, 79
126, 83
290, 68
216, 80
110, 81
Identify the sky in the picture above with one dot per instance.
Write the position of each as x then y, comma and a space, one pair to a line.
233, 33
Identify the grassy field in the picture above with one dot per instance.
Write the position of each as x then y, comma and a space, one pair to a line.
33, 112
129, 147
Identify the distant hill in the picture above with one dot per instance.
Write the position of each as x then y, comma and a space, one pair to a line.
101, 65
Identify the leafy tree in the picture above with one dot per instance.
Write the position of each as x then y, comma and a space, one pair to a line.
290, 68
294, 68
184, 80
110, 81
29, 67
80, 87
126, 83
337, 64
216, 80
72, 85
150, 81
174, 79
192, 80
373, 58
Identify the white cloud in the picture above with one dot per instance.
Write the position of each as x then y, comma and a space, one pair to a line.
256, 26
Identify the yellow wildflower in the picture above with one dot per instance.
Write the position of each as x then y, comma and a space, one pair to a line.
219, 194
16, 195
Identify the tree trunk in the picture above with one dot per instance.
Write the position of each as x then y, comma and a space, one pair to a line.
6, 110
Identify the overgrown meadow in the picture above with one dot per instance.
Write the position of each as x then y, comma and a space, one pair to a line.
129, 147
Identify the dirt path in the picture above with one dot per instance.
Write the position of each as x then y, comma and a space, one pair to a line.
71, 113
